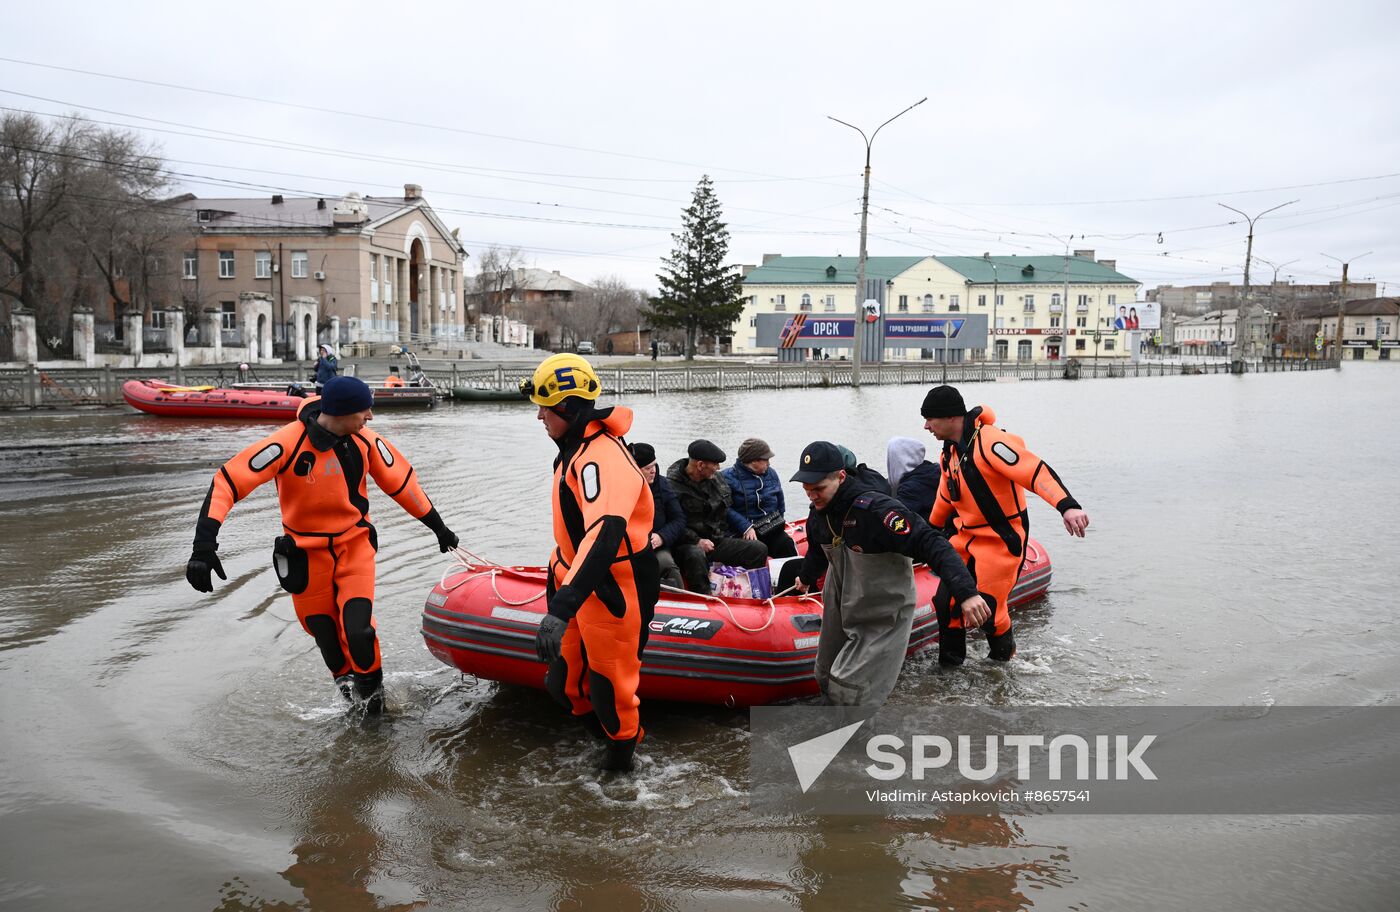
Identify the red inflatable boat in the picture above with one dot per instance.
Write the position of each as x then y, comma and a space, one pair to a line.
702, 649
159, 397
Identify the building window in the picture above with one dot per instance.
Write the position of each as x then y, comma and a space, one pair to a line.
262, 264
1030, 303
191, 264
903, 303
981, 300
831, 302
373, 267
1079, 345
301, 262
780, 302
1001, 300
228, 317
1361, 329
928, 303
806, 303
157, 319
1382, 329
225, 264
954, 302
1054, 322
1108, 345
1023, 350
1029, 322
1054, 300
1081, 322
1112, 300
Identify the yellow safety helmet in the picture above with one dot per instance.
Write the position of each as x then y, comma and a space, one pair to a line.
561, 376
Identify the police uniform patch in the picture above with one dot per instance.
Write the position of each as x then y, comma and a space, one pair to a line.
589, 477
896, 523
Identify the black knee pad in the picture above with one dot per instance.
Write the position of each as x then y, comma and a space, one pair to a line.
359, 633
327, 637
604, 702
554, 679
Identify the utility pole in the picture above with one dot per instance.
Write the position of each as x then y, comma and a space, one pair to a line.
1064, 301
864, 213
1273, 294
1248, 253
1342, 302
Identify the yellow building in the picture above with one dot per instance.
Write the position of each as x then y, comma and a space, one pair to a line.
1023, 298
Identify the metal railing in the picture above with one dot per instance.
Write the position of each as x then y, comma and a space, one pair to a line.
60, 387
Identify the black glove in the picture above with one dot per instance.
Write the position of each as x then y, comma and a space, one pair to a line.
447, 539
197, 569
550, 638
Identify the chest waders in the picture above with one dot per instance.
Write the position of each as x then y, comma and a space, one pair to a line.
867, 612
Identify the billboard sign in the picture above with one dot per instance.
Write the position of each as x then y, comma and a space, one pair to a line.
807, 330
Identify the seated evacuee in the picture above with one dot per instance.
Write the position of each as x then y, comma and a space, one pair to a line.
757, 492
713, 529
871, 542
321, 462
668, 523
394, 379
913, 479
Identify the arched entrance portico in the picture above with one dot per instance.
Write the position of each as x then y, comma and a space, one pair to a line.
416, 265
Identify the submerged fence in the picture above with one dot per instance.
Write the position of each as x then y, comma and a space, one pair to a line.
57, 388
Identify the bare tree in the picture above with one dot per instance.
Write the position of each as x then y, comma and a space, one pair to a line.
494, 285
39, 166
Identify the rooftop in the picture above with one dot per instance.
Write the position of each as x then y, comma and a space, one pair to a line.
1022, 270
800, 270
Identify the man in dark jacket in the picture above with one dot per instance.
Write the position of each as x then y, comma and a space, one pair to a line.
870, 540
669, 523
714, 531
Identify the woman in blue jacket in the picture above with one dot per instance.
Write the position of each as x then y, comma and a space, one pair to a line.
758, 497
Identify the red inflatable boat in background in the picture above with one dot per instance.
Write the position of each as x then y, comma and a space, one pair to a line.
159, 397
702, 649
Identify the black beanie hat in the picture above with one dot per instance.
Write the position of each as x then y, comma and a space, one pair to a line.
644, 453
943, 402
345, 396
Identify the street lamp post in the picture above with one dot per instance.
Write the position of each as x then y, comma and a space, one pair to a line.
1248, 253
1342, 302
864, 213
1273, 295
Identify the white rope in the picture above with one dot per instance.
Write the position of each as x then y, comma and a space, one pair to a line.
470, 572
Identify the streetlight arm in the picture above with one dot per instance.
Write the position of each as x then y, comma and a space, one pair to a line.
896, 117
867, 139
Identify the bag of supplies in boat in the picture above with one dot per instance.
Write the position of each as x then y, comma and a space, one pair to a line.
736, 582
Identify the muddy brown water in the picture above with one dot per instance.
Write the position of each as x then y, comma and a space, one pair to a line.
163, 749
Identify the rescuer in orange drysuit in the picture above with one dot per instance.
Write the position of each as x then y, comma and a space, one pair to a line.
326, 558
603, 575
983, 469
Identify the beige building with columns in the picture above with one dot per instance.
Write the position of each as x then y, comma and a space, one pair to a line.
347, 270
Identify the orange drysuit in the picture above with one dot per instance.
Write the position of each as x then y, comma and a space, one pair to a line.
326, 558
979, 488
603, 575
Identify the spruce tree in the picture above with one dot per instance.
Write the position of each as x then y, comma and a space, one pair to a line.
698, 294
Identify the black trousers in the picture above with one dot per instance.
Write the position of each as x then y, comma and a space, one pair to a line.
778, 542
736, 552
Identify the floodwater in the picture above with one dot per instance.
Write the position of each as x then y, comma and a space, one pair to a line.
165, 749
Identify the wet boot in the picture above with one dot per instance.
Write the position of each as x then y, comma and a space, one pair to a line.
593, 726
617, 756
370, 690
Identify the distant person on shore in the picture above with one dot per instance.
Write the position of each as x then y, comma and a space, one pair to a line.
913, 479
326, 558
984, 469
326, 365
655, 348
603, 576
668, 523
871, 541
757, 494
714, 530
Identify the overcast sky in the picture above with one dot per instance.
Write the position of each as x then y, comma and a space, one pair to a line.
578, 131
